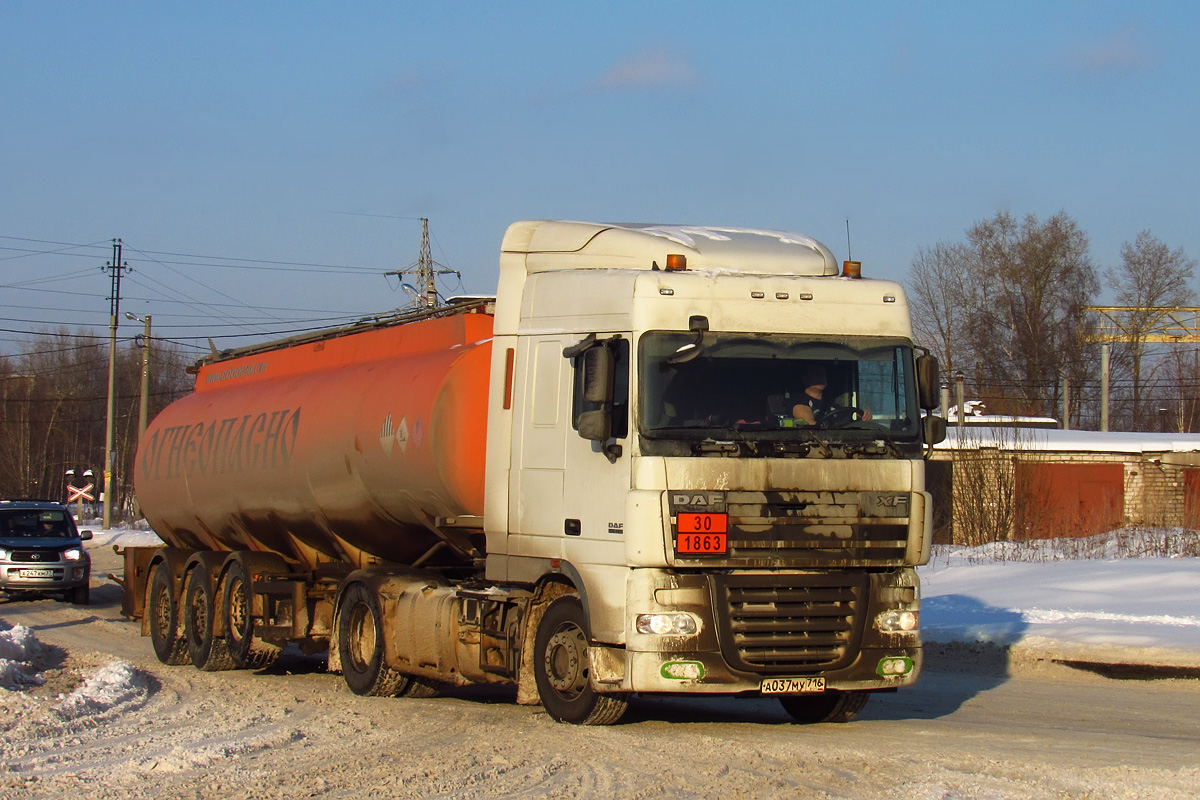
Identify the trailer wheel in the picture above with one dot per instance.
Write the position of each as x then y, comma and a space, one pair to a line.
831, 706
360, 645
561, 668
246, 649
163, 613
208, 652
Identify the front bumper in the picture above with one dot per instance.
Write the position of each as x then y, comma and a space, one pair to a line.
659, 673
54, 576
816, 626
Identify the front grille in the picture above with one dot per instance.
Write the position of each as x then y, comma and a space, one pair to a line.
35, 556
816, 529
790, 623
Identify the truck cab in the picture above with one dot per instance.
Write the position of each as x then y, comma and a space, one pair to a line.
643, 445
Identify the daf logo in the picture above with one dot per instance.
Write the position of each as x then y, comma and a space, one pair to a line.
697, 499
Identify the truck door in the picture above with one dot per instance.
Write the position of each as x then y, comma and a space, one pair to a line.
598, 472
540, 418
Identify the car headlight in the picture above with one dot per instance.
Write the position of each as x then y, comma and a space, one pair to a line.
4, 554
667, 624
74, 554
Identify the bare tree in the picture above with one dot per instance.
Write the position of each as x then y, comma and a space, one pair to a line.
1151, 277
939, 314
52, 409
1006, 305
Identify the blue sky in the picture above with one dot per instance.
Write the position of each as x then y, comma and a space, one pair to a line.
315, 133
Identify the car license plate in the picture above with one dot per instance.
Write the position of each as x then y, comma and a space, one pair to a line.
792, 685
37, 573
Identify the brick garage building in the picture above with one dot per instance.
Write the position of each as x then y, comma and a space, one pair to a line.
994, 483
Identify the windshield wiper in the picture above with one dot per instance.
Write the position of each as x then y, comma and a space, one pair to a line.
826, 450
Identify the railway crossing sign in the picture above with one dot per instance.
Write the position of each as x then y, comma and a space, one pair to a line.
80, 493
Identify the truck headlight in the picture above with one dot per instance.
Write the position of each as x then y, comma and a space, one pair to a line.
74, 554
897, 621
667, 624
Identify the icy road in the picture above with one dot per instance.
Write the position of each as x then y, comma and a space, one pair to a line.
110, 721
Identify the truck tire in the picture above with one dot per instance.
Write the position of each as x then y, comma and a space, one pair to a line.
246, 649
162, 611
832, 706
360, 646
199, 610
561, 668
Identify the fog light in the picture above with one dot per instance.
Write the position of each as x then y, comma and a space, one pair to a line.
894, 666
666, 624
682, 670
897, 621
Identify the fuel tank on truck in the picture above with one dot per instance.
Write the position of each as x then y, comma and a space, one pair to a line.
341, 447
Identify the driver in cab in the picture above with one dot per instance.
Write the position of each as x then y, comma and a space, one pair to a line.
812, 404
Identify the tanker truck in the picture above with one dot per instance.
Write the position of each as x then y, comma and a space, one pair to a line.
592, 485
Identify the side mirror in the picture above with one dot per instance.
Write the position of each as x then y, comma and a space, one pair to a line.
598, 375
596, 426
933, 429
85, 535
928, 382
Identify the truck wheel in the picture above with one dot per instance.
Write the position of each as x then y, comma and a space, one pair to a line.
246, 649
832, 706
207, 652
561, 668
360, 645
163, 613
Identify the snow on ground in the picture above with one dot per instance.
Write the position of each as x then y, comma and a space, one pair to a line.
1109, 607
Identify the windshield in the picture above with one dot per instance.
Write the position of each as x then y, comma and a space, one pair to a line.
35, 523
776, 386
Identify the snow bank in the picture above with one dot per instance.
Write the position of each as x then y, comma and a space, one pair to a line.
111, 686
1121, 608
124, 537
17, 647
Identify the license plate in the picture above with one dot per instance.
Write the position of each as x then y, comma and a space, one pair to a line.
37, 573
792, 685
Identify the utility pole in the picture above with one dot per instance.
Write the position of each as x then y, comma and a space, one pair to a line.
114, 269
144, 402
1104, 386
426, 270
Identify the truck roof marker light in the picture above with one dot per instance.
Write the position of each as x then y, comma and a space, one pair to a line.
851, 269
887, 298
758, 295
806, 296
676, 262
781, 295
666, 292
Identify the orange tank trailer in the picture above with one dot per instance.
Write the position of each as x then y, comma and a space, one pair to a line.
344, 448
